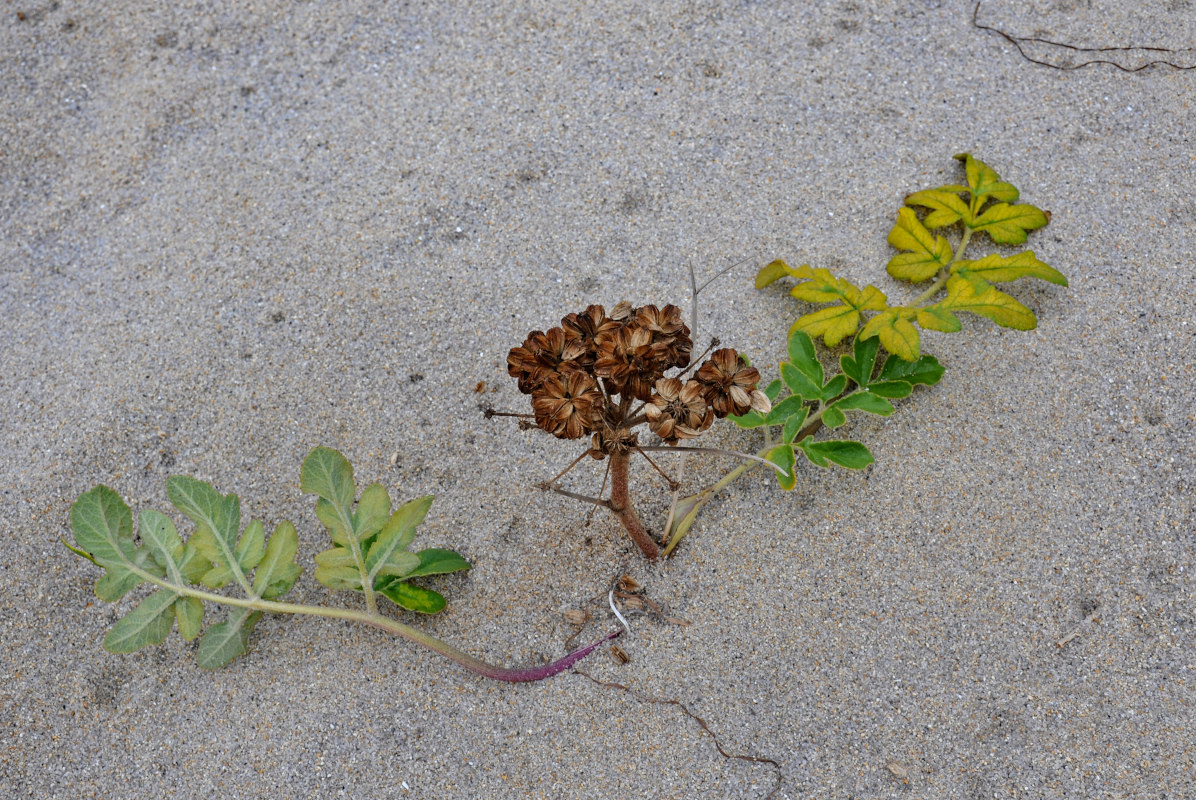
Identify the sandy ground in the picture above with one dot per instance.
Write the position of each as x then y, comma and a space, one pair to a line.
230, 234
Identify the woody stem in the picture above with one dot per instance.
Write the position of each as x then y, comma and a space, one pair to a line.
620, 504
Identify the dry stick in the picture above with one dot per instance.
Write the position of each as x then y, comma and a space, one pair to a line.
589, 514
566, 469
1017, 41
585, 498
701, 723
672, 483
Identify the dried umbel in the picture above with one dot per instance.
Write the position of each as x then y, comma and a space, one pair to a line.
602, 375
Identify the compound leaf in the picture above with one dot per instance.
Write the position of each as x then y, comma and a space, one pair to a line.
992, 303
820, 286
892, 389
225, 641
188, 612
996, 268
103, 528
1006, 224
928, 253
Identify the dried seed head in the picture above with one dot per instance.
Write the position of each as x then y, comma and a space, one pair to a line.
678, 411
629, 363
621, 311
589, 328
728, 382
671, 343
541, 355
567, 404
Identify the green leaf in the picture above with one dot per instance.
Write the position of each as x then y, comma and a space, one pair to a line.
188, 611
772, 390
227, 640
793, 404
373, 509
328, 514
928, 254
340, 578
803, 356
897, 334
793, 425
327, 474
925, 371
865, 401
799, 383
833, 417
277, 572
992, 303
892, 389
852, 455
160, 536
149, 623
833, 388
103, 528
860, 365
752, 419
983, 181
438, 561
934, 318
252, 546
946, 206
782, 456
412, 597
387, 556
999, 269
771, 273
217, 519
1006, 224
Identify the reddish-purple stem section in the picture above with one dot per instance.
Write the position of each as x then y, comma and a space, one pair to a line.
521, 675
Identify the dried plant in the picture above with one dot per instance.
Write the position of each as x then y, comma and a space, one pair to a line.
604, 375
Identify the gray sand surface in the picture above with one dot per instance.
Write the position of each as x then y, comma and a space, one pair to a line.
232, 232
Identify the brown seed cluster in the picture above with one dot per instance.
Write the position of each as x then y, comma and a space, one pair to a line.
585, 375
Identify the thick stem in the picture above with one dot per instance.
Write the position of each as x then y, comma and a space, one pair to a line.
620, 503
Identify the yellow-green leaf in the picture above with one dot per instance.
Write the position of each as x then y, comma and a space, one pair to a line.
984, 181
928, 253
773, 271
946, 207
1006, 224
933, 318
992, 303
896, 333
833, 324
820, 286
997, 269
